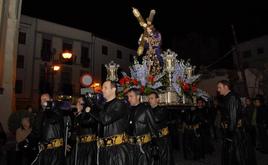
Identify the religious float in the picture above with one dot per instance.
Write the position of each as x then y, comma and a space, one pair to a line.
154, 70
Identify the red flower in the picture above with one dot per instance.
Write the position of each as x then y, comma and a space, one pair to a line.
194, 88
122, 81
142, 89
127, 80
135, 82
186, 87
151, 79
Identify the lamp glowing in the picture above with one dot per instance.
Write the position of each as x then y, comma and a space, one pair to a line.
66, 55
56, 67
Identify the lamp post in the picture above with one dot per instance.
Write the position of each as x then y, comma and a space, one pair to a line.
56, 66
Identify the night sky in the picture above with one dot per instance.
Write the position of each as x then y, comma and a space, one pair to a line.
113, 20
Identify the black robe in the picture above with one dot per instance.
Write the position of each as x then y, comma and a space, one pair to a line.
206, 116
262, 123
192, 137
161, 118
84, 124
113, 120
237, 148
141, 122
48, 126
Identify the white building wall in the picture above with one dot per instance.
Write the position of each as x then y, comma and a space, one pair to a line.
36, 70
63, 31
28, 26
36, 30
100, 59
255, 59
76, 70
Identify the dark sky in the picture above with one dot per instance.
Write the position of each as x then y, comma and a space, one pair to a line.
113, 19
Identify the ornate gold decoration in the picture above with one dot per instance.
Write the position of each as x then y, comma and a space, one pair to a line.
112, 68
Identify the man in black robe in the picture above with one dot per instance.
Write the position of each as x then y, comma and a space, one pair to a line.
161, 118
141, 130
261, 122
237, 147
48, 131
206, 116
113, 124
192, 135
84, 134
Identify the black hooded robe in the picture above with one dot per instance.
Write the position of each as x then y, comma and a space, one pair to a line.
237, 148
84, 125
161, 118
113, 120
49, 126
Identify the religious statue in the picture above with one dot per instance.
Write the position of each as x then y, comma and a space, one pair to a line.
112, 68
150, 43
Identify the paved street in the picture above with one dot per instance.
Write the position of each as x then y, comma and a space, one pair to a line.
214, 159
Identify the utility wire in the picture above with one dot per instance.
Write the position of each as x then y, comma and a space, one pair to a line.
221, 58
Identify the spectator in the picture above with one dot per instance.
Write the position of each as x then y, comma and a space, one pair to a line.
261, 119
25, 149
24, 130
249, 112
14, 120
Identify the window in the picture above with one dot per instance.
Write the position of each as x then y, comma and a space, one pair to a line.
85, 60
44, 84
66, 74
43, 73
66, 87
67, 46
18, 86
20, 61
104, 50
119, 54
46, 53
247, 54
260, 50
22, 38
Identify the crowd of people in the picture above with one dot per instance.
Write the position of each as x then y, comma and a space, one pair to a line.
110, 131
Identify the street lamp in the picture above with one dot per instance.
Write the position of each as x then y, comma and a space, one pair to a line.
53, 66
56, 67
95, 85
67, 55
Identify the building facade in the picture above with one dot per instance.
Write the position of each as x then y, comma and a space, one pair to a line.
254, 53
41, 44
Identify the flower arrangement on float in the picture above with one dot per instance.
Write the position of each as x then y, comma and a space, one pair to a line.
176, 83
140, 78
185, 82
